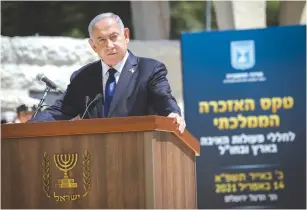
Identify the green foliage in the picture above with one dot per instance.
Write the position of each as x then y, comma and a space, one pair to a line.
189, 16
272, 12
56, 18
75, 33
69, 18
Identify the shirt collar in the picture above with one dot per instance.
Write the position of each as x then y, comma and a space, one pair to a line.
118, 67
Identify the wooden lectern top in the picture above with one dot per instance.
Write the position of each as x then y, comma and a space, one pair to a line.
99, 125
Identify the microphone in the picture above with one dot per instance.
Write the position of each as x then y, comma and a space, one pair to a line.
87, 99
48, 82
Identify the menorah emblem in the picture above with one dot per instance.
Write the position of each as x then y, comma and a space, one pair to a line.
66, 162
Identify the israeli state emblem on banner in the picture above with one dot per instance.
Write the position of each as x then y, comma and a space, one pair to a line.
242, 54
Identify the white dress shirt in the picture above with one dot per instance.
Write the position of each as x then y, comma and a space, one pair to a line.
118, 67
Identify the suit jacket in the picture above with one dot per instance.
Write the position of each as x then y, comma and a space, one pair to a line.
141, 91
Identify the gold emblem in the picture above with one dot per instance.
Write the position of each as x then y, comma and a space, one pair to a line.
66, 163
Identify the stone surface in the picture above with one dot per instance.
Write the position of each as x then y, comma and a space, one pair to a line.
292, 12
224, 15
303, 17
240, 14
11, 99
41, 51
155, 14
22, 58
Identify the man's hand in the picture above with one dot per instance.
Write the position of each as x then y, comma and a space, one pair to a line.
179, 120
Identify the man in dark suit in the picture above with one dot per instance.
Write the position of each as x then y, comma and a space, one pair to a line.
127, 85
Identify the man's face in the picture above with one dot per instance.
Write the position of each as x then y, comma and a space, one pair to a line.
25, 116
109, 41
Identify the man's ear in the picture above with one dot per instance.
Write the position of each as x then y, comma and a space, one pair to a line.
127, 34
93, 46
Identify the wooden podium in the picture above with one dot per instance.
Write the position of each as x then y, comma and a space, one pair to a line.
131, 162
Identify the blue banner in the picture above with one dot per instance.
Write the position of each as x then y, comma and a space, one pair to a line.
245, 100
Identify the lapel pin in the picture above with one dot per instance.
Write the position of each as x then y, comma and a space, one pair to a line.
131, 70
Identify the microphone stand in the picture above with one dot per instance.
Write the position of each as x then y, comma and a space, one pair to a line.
41, 101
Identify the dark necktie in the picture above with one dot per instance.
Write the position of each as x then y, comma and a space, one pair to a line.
109, 91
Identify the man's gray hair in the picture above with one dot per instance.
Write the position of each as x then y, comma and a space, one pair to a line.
104, 16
